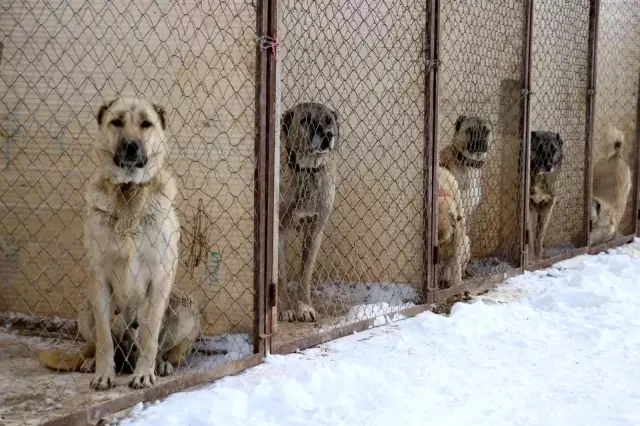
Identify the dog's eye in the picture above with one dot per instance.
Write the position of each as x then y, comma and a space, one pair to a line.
117, 122
145, 124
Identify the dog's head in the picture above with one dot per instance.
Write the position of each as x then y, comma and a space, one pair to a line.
472, 137
546, 152
310, 134
131, 147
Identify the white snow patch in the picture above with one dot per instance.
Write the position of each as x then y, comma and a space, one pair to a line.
554, 347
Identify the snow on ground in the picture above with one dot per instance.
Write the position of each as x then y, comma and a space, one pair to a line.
555, 347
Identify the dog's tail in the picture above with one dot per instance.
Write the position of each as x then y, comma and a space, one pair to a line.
618, 139
65, 362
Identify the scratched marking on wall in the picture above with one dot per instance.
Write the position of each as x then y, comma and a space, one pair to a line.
215, 259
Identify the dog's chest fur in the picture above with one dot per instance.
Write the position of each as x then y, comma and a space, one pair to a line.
541, 190
309, 193
131, 232
470, 183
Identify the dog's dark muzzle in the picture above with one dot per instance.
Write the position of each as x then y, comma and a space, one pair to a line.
478, 146
130, 154
325, 144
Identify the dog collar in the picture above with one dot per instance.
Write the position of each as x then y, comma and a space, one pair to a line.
292, 163
465, 161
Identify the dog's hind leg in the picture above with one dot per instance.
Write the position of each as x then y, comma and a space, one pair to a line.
180, 329
458, 251
312, 240
531, 232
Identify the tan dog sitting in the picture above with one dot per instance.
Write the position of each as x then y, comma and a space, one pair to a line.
131, 232
454, 247
611, 188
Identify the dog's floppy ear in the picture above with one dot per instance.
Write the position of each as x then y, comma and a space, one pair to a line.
161, 115
103, 109
459, 122
286, 122
336, 117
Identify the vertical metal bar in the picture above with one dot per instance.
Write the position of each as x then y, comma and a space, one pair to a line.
271, 221
594, 14
637, 168
260, 192
525, 153
431, 150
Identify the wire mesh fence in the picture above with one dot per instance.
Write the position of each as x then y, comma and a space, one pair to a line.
559, 80
616, 120
394, 174
480, 114
173, 172
351, 173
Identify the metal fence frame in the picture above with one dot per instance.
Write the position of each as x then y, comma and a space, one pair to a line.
266, 151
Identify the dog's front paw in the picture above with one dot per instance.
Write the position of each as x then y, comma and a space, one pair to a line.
286, 315
88, 365
443, 283
104, 381
306, 313
143, 381
164, 368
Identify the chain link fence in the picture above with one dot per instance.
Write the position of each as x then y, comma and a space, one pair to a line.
559, 80
352, 172
61, 61
480, 114
616, 110
404, 151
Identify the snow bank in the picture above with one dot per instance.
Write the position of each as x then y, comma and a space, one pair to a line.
555, 347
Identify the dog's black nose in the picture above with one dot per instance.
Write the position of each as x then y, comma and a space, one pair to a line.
130, 154
131, 149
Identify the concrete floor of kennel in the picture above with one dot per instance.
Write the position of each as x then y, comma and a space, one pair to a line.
30, 394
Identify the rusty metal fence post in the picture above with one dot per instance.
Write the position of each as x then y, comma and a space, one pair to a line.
525, 150
590, 111
431, 153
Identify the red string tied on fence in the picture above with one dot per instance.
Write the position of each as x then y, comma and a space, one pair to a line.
272, 43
